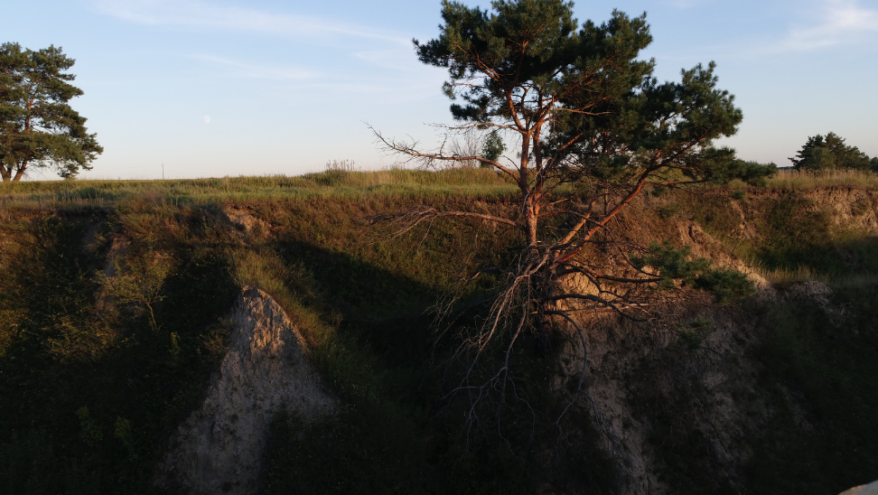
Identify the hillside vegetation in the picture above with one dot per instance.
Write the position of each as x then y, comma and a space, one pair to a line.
96, 376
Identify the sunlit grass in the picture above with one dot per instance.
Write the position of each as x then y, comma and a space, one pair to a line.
336, 184
783, 277
331, 183
788, 276
803, 179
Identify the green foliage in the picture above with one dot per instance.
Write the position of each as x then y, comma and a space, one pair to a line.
821, 364
360, 300
798, 235
588, 114
752, 173
789, 236
138, 282
594, 87
87, 409
46, 291
692, 335
672, 265
727, 285
124, 432
37, 126
830, 152
493, 148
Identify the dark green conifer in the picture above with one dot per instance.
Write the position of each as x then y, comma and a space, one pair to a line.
581, 108
830, 152
37, 126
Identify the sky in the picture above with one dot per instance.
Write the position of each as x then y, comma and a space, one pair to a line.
213, 88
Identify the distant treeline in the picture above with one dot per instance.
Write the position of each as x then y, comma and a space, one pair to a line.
830, 152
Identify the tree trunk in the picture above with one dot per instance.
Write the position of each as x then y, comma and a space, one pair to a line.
5, 173
531, 220
20, 172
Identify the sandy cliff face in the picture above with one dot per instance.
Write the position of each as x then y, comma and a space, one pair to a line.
648, 393
686, 380
266, 370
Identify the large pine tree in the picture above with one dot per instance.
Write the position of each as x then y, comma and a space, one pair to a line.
583, 112
38, 128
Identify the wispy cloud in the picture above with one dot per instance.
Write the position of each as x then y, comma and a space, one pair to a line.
204, 15
243, 69
404, 85
840, 21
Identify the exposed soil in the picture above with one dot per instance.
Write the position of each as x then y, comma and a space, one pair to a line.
266, 370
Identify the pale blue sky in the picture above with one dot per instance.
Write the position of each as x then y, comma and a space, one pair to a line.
286, 86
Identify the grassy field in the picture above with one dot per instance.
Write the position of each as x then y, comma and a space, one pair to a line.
339, 184
789, 179
90, 396
336, 184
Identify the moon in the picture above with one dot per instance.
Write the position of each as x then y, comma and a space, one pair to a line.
207, 119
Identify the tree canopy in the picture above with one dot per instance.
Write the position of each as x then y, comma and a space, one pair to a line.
38, 128
830, 152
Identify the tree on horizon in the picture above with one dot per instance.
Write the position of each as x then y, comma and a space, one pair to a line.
38, 128
830, 152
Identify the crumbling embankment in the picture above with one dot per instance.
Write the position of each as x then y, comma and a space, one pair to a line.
265, 371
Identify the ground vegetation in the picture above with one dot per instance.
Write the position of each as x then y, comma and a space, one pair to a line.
92, 397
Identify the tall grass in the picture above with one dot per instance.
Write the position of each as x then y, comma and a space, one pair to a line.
335, 182
804, 179
338, 183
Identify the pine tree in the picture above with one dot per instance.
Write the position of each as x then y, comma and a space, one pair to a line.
830, 152
38, 128
582, 110
582, 107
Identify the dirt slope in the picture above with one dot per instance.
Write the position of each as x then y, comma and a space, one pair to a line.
266, 370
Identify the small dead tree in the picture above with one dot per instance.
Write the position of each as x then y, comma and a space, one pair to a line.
593, 130
467, 144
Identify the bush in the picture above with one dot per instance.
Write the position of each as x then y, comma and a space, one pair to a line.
727, 285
